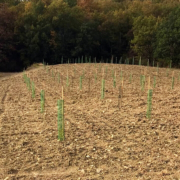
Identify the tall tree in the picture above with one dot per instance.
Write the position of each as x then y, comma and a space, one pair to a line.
8, 61
144, 29
168, 37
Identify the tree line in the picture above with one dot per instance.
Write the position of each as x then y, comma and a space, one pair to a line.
47, 30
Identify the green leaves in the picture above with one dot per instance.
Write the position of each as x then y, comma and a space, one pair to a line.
144, 28
168, 37
35, 30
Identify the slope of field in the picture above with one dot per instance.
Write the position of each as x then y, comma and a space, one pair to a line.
102, 140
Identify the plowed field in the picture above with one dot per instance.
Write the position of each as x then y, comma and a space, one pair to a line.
104, 139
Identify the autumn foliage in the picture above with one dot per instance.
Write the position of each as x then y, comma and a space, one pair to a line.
36, 30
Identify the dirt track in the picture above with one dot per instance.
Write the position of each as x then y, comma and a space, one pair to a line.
102, 142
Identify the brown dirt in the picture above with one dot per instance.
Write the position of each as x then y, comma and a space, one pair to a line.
101, 140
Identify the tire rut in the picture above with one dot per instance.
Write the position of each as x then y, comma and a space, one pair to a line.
2, 101
2, 110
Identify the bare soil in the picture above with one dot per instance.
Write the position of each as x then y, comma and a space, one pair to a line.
103, 140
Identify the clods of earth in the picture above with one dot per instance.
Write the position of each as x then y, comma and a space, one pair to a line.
108, 138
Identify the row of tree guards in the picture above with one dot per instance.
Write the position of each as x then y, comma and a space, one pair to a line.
142, 78
60, 105
60, 102
112, 60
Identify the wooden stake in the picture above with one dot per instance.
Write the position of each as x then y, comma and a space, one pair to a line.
72, 81
120, 97
122, 88
172, 86
62, 93
149, 82
103, 74
96, 87
89, 82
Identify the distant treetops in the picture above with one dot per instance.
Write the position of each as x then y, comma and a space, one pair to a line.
33, 30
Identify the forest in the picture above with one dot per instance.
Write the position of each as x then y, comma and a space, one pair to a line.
61, 31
